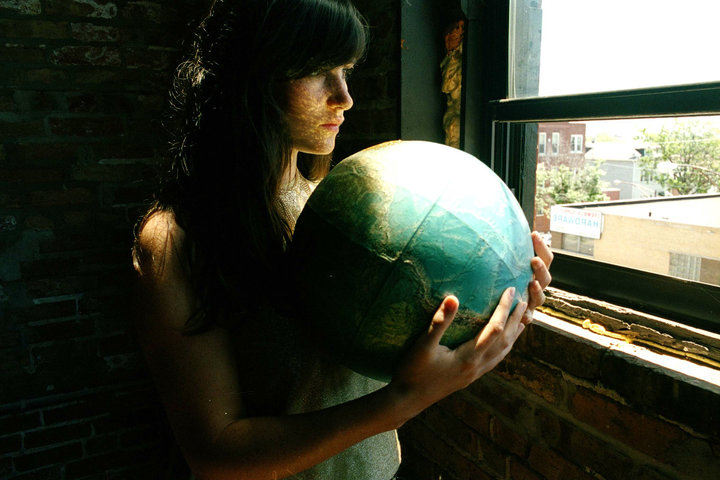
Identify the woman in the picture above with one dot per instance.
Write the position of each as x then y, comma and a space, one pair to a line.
247, 392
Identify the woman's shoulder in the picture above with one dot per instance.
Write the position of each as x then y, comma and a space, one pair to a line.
158, 243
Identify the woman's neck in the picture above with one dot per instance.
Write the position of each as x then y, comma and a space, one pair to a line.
291, 172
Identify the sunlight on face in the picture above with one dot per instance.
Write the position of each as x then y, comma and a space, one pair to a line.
315, 108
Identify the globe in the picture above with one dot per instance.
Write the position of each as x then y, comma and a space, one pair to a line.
388, 234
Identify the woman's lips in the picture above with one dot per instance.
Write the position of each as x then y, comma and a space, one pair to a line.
333, 127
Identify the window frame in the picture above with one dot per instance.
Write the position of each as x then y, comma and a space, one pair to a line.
502, 132
555, 144
579, 142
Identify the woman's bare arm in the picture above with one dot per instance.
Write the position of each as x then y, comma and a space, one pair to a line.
196, 377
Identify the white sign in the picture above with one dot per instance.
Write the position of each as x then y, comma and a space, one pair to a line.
576, 221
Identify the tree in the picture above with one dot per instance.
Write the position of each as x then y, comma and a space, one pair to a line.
684, 158
560, 185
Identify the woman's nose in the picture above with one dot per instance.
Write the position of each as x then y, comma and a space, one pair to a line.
339, 94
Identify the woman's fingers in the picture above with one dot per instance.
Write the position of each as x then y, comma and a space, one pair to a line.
502, 323
443, 318
541, 249
540, 271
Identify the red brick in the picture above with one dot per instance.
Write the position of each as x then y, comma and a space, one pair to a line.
58, 331
103, 173
69, 196
13, 359
51, 473
82, 103
101, 444
583, 449
46, 437
21, 128
458, 466
46, 153
144, 11
51, 456
23, 7
31, 175
90, 32
416, 466
19, 421
153, 58
77, 218
543, 381
471, 414
22, 54
88, 408
35, 101
552, 466
646, 434
10, 444
451, 430
45, 76
86, 126
518, 471
106, 9
499, 398
49, 287
508, 439
7, 103
549, 426
85, 55
566, 352
32, 28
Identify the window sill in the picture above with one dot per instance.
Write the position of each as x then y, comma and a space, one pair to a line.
689, 351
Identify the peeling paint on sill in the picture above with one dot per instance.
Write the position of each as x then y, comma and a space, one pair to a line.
691, 356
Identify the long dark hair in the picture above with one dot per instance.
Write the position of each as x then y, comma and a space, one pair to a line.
231, 146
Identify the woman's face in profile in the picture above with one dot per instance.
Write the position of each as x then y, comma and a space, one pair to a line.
315, 109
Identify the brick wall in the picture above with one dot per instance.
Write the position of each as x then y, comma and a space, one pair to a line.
82, 91
82, 85
563, 406
82, 88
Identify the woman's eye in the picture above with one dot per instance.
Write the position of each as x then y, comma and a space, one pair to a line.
348, 71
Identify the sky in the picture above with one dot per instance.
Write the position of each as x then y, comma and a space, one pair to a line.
600, 45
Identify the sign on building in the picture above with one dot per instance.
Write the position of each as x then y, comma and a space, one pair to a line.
576, 221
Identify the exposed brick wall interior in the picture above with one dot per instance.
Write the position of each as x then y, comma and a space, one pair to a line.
564, 407
82, 88
82, 91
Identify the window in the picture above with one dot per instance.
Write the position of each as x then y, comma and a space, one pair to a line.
685, 266
576, 143
577, 244
542, 140
539, 87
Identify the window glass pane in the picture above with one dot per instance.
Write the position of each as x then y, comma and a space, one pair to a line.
588, 46
641, 193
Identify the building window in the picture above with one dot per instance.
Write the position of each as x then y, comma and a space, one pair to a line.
541, 87
578, 244
683, 265
576, 143
542, 140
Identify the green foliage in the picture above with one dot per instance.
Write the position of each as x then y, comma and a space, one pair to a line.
560, 185
684, 158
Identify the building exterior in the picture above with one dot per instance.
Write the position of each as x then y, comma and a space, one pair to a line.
677, 236
620, 170
561, 143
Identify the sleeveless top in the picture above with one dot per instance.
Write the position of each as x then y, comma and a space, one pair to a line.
284, 371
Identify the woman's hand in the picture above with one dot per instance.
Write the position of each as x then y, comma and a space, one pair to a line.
430, 371
541, 276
